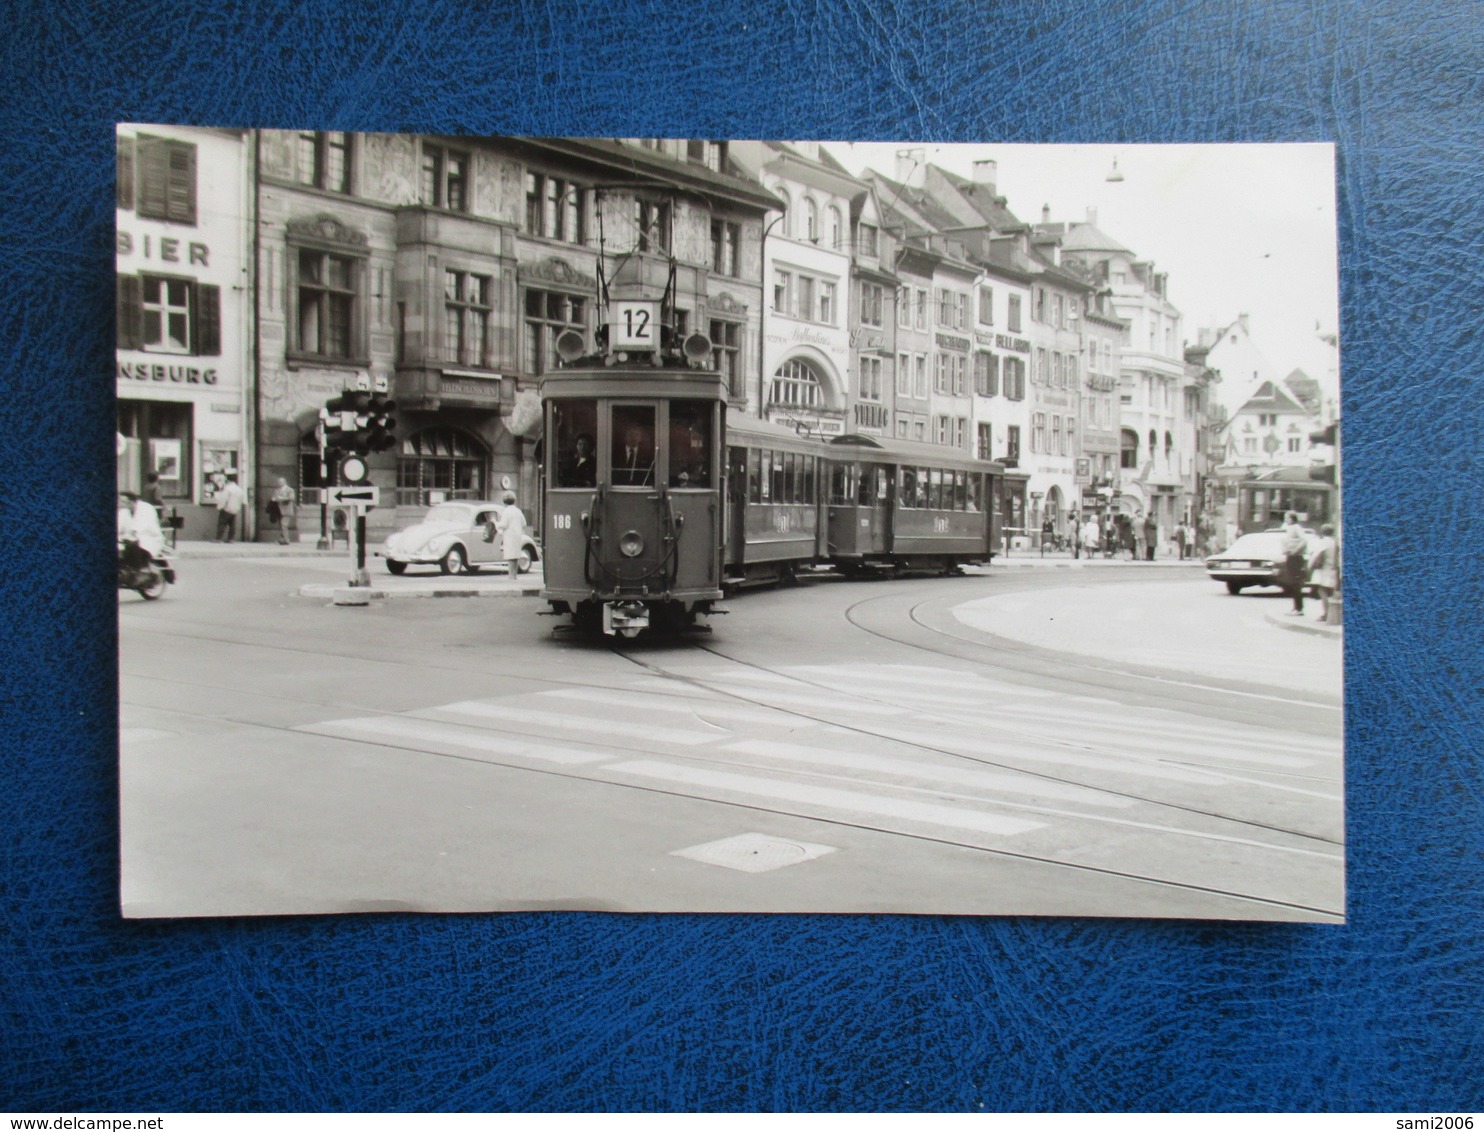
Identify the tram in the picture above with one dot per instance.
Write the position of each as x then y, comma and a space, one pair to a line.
1265, 498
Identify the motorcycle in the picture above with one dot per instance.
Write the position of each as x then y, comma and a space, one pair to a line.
145, 572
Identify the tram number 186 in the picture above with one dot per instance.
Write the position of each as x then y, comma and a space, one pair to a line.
561, 522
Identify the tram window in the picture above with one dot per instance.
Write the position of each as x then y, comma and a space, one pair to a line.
907, 490
790, 479
574, 425
840, 490
754, 477
766, 478
921, 502
633, 445
960, 492
690, 443
778, 477
807, 469
976, 492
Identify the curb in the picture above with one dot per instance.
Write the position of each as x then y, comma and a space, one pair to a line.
1303, 625
376, 593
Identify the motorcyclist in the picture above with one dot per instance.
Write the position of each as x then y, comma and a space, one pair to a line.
139, 534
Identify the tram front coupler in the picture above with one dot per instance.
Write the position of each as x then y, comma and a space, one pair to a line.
625, 618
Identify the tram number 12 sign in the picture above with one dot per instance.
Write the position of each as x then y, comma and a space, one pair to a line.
634, 326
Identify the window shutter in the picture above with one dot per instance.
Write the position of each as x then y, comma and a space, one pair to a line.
182, 189
208, 320
125, 176
154, 170
130, 312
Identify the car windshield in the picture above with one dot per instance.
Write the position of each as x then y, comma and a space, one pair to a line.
448, 513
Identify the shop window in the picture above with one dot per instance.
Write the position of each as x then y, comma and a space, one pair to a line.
438, 464
445, 177
168, 315
322, 160
166, 179
158, 439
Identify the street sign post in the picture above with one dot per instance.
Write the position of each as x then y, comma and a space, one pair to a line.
362, 495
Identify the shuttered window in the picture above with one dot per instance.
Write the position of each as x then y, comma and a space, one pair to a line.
168, 315
166, 176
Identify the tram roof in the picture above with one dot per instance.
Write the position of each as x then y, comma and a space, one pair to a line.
911, 451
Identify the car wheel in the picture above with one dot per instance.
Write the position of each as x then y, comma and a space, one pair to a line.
453, 561
395, 567
1234, 588
524, 563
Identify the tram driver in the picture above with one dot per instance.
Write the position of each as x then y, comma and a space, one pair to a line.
633, 457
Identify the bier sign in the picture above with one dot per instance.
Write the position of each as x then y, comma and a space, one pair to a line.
634, 325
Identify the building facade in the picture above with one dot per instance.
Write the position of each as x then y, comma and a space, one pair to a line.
444, 269
184, 371
807, 266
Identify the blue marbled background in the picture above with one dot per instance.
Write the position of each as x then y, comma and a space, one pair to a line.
568, 1011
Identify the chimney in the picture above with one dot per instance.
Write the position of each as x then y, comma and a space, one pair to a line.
1092, 216
912, 167
986, 173
1242, 322
1045, 214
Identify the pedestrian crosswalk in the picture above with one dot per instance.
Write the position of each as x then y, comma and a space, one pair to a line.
931, 752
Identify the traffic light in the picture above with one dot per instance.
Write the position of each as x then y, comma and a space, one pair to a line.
345, 419
381, 426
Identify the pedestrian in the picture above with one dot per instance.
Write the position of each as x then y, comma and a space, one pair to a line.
280, 507
1092, 535
511, 528
1182, 538
1295, 569
229, 503
1151, 536
1048, 532
1324, 571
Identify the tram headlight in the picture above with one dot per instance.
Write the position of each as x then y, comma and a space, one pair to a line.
631, 545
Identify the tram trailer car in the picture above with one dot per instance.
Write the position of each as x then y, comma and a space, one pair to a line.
858, 503
775, 503
632, 522
899, 506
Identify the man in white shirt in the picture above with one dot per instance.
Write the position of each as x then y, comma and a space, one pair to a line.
230, 501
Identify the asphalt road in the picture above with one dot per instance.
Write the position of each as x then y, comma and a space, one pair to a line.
1118, 742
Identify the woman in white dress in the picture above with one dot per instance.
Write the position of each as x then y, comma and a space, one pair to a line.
511, 529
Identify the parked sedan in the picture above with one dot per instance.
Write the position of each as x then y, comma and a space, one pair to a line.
1253, 560
457, 537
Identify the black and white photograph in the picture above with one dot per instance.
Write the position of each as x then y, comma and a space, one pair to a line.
698, 525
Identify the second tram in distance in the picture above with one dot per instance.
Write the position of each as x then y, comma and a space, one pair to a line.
656, 503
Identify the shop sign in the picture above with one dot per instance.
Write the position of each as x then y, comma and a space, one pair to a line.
954, 342
984, 337
863, 339
1019, 345
804, 336
156, 371
166, 249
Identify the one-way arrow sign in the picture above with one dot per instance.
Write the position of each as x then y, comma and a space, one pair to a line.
367, 495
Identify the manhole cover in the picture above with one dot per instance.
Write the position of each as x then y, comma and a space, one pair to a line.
754, 852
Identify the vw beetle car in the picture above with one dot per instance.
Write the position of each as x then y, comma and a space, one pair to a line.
1253, 560
458, 537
